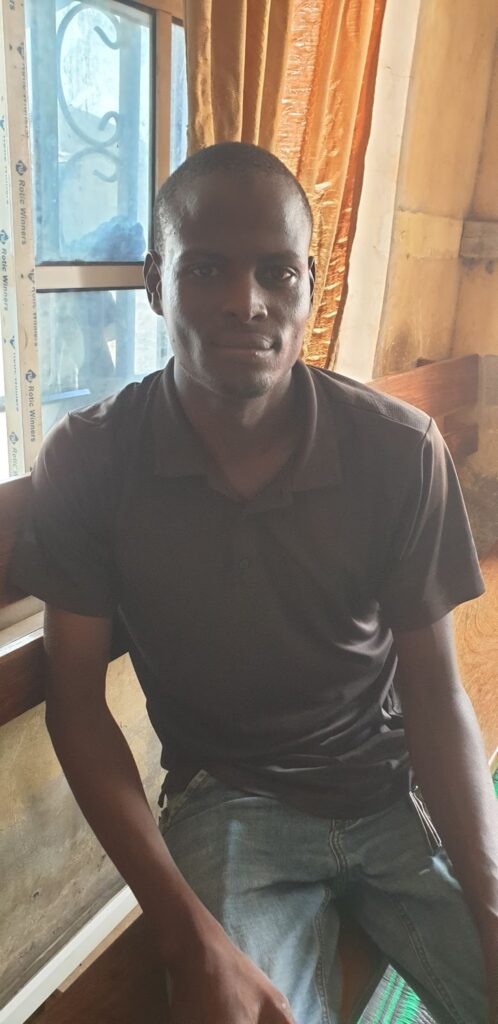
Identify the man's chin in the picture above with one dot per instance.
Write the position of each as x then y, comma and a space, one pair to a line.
254, 386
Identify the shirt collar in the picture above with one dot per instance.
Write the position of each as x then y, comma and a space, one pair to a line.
178, 451
177, 448
317, 462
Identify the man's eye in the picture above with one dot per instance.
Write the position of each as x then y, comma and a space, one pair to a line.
281, 274
204, 270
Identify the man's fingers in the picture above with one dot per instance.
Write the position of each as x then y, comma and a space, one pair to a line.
285, 1006
278, 1012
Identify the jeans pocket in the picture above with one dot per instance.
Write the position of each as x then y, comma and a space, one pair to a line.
431, 834
178, 800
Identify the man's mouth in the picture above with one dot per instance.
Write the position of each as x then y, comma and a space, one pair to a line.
245, 353
246, 343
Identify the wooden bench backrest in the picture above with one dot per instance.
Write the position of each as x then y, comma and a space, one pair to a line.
440, 389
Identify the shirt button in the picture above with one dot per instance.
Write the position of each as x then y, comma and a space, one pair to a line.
244, 563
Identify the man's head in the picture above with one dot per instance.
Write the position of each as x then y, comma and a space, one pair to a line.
231, 272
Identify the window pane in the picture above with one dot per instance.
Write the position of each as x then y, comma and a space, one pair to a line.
90, 87
179, 109
92, 343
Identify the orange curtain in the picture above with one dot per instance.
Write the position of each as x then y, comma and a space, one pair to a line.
297, 77
237, 52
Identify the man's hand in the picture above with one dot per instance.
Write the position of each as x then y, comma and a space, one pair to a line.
222, 986
213, 982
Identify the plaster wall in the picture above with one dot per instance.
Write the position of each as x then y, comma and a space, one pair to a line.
476, 330
447, 110
436, 304
55, 875
372, 241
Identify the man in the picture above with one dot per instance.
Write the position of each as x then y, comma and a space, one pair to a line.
276, 540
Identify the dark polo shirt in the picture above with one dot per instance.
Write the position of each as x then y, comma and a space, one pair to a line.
260, 629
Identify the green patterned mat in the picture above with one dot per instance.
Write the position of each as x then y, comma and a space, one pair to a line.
394, 1002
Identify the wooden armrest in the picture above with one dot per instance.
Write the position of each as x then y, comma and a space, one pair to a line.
22, 675
126, 984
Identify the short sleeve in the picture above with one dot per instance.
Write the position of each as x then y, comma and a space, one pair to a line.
64, 554
433, 564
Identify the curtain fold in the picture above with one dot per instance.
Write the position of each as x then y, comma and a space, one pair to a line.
236, 59
296, 77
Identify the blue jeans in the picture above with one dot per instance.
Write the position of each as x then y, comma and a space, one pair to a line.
271, 875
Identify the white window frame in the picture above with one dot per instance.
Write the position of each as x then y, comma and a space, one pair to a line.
17, 263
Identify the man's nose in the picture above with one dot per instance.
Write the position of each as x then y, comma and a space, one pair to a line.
245, 299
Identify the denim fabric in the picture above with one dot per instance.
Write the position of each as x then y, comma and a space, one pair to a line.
272, 875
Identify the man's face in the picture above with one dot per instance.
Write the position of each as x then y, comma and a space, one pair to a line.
236, 282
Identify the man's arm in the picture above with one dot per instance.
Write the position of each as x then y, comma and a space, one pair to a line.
448, 757
211, 978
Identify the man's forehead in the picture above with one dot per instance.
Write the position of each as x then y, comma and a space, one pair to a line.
256, 209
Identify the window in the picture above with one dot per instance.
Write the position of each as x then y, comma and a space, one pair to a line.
107, 111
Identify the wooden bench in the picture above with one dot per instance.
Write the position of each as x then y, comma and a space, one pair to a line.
125, 983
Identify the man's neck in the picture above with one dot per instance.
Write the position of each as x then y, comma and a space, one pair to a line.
232, 427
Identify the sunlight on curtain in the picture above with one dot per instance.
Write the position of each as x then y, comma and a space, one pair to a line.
324, 126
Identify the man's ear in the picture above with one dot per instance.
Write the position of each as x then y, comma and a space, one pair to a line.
312, 276
152, 278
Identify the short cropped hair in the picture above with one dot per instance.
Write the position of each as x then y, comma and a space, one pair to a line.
240, 157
